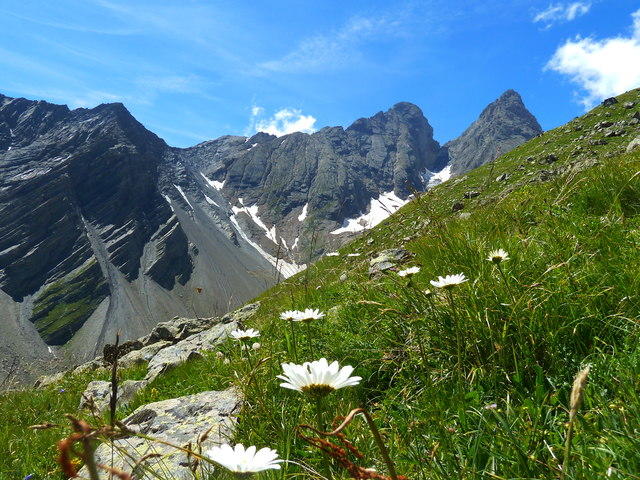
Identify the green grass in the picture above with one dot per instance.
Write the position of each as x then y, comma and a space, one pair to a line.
474, 385
26, 451
66, 304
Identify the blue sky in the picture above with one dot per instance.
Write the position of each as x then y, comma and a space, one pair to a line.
195, 70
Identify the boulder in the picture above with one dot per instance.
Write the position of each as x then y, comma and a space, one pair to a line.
189, 348
176, 329
457, 206
145, 354
608, 102
90, 366
241, 314
387, 259
98, 394
618, 132
48, 380
628, 105
634, 144
180, 421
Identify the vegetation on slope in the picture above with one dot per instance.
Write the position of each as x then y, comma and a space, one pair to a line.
472, 382
66, 304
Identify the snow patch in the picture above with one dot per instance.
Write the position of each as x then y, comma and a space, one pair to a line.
213, 183
211, 202
295, 243
432, 179
183, 195
379, 209
303, 215
285, 268
252, 211
166, 197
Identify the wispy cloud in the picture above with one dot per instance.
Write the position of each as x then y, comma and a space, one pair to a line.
283, 122
602, 68
74, 27
336, 49
562, 12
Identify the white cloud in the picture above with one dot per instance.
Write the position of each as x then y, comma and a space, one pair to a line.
562, 12
602, 68
283, 122
336, 49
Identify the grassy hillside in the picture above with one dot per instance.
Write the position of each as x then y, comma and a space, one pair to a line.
467, 383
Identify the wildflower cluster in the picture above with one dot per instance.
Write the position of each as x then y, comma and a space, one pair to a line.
315, 379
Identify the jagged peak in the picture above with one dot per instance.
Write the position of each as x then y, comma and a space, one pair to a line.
509, 94
406, 107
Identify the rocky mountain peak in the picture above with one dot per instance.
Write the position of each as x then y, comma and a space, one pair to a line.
503, 125
401, 113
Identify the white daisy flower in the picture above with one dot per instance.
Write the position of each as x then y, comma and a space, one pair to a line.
409, 272
289, 314
332, 254
244, 462
245, 334
317, 378
449, 281
498, 256
308, 315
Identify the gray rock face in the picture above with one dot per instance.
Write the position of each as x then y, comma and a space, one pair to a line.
90, 244
502, 126
179, 421
281, 191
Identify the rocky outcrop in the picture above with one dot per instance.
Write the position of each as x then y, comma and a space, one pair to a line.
503, 125
181, 422
97, 395
189, 348
168, 345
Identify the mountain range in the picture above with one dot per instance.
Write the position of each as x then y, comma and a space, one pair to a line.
105, 228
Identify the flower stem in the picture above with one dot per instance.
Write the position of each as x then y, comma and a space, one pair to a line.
309, 338
381, 446
458, 332
319, 404
293, 341
506, 282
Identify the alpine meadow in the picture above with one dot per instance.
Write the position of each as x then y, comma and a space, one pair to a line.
487, 329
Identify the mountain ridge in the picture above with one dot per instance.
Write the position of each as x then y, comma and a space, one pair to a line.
144, 225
